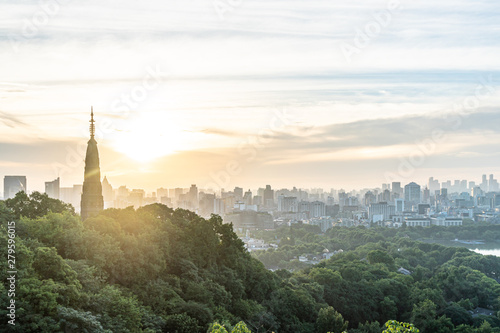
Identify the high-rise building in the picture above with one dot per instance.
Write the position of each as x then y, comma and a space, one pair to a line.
463, 186
412, 193
493, 184
257, 200
484, 183
162, 193
238, 193
381, 211
71, 195
332, 210
206, 204
396, 188
317, 209
400, 205
12, 185
370, 198
268, 197
386, 195
92, 199
426, 196
136, 197
433, 185
52, 188
107, 193
288, 204
247, 197
193, 196
343, 198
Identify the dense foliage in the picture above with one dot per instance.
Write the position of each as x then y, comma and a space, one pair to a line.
159, 270
307, 240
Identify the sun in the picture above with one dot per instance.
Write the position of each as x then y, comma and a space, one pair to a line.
145, 140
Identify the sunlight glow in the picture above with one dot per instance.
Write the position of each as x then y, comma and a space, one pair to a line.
144, 139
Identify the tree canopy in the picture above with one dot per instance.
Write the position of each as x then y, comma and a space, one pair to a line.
155, 269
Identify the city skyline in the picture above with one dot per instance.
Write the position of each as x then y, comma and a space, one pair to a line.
333, 95
487, 183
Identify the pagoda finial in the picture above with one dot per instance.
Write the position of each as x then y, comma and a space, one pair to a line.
92, 122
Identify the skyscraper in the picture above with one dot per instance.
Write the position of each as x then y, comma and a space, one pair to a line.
52, 188
396, 188
412, 193
268, 197
92, 199
12, 185
107, 193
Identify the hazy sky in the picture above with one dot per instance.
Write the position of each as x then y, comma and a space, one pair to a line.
236, 92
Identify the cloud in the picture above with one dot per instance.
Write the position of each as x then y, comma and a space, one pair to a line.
219, 131
11, 120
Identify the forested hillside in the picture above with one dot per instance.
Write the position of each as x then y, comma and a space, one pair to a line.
159, 270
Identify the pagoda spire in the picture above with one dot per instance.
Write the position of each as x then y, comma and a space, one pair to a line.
92, 123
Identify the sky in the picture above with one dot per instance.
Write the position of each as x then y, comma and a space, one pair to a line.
224, 93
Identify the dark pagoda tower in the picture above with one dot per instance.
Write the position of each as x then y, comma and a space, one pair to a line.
92, 200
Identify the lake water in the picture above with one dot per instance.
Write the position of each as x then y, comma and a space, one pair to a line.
488, 248
493, 252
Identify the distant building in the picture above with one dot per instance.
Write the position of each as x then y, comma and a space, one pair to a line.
72, 195
193, 196
12, 185
317, 209
207, 204
423, 209
412, 193
257, 200
52, 188
404, 271
219, 206
484, 183
250, 220
426, 196
434, 185
370, 198
268, 197
107, 193
332, 210
446, 221
444, 194
136, 197
396, 188
400, 205
288, 204
382, 209
238, 193
493, 184
304, 207
247, 197
417, 222
324, 223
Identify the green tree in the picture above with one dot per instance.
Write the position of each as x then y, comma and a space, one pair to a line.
217, 328
393, 326
330, 320
240, 327
180, 323
75, 321
36, 205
